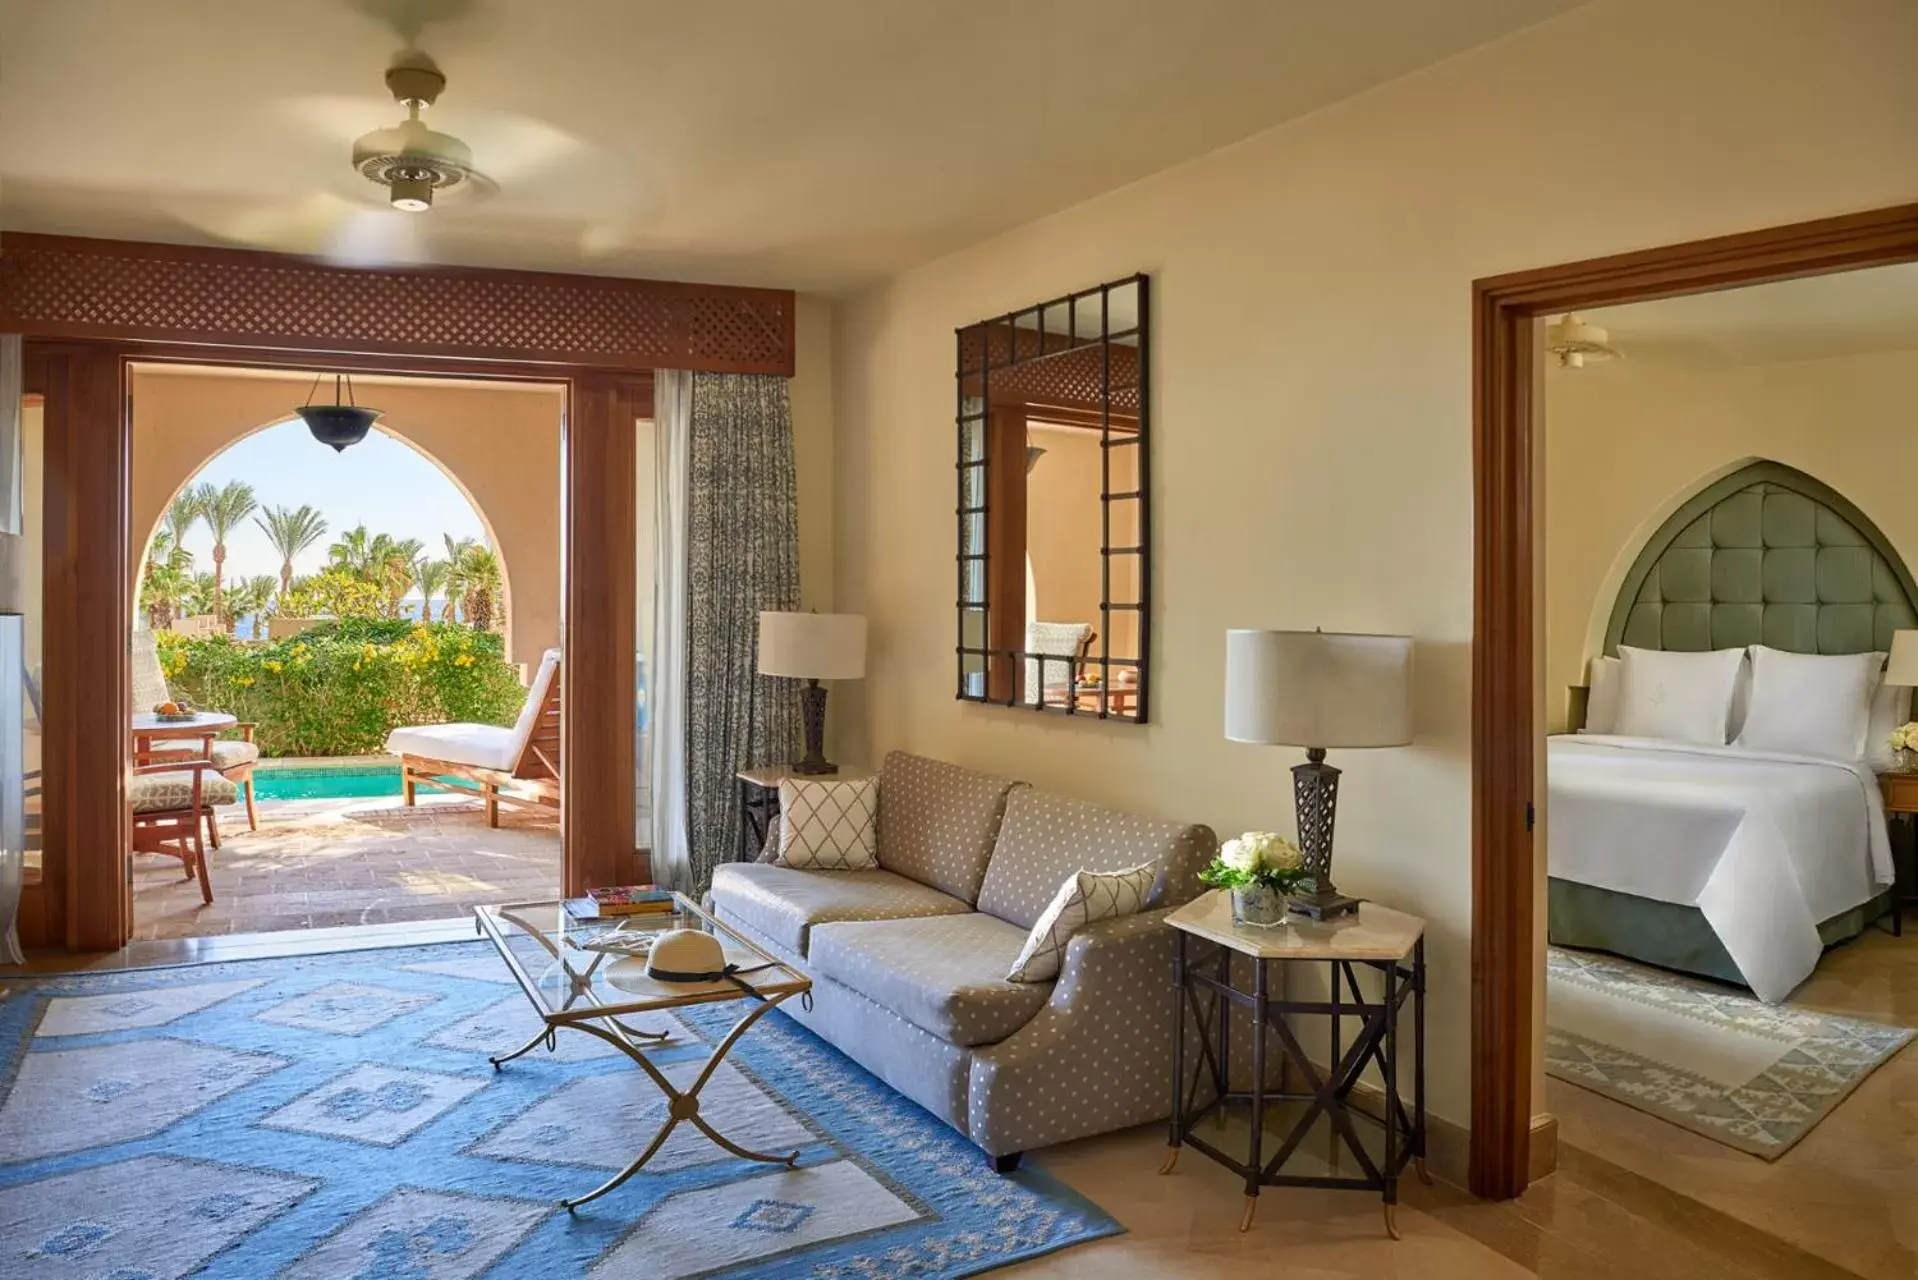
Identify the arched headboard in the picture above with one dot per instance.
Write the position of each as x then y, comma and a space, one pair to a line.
1767, 555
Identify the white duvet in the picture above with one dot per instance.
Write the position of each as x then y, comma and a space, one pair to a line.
1765, 844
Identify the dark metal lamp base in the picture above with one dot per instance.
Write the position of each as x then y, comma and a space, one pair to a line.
812, 713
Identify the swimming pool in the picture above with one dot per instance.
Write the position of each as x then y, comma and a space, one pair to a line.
326, 782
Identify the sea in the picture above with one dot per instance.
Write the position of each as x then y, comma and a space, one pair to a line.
252, 626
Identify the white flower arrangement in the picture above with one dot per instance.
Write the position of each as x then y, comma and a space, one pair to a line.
1261, 858
1904, 737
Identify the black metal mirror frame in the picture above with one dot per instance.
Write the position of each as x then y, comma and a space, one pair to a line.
1017, 358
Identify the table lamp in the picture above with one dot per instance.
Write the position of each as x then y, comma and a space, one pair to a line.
813, 647
1316, 689
1902, 668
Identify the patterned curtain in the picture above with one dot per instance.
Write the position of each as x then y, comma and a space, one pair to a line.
742, 516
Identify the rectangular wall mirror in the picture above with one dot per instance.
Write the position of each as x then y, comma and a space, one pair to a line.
1054, 559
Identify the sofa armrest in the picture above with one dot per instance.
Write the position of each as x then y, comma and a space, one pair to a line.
1098, 1057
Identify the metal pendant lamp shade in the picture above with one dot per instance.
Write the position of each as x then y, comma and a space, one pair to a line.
341, 423
1315, 690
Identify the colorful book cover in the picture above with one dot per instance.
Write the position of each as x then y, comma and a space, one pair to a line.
621, 900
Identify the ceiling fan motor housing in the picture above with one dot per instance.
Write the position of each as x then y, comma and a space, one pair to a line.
410, 159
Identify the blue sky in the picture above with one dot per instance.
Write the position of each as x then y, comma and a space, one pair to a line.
378, 482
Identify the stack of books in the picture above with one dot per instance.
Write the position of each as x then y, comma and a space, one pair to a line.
622, 900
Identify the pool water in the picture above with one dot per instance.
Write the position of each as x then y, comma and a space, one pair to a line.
343, 783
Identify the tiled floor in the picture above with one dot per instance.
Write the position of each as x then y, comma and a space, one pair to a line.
1848, 1193
1593, 1220
350, 862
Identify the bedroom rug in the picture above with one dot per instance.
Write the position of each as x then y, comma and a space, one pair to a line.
1716, 1060
335, 1117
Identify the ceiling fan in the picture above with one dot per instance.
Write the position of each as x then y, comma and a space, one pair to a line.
410, 159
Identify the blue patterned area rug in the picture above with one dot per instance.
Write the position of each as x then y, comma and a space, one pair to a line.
334, 1117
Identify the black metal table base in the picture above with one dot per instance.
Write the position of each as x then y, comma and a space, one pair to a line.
1328, 1092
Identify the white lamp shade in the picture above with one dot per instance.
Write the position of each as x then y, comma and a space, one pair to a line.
812, 646
1318, 689
13, 574
1903, 667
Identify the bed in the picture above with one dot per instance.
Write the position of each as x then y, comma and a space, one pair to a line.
1721, 861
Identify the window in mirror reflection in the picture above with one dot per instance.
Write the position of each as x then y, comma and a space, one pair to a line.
1053, 539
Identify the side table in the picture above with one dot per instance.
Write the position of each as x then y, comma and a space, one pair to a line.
759, 801
1389, 943
1900, 787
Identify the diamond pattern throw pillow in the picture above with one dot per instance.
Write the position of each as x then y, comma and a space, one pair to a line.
827, 824
1085, 897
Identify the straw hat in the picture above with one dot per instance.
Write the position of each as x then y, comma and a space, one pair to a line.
686, 955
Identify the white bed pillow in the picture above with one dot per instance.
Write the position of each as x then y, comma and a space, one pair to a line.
1810, 704
1677, 697
1890, 707
1601, 697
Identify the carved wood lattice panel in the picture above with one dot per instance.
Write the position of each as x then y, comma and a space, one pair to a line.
1020, 371
58, 287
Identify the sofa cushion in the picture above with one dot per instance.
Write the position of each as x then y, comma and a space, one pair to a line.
173, 789
937, 821
783, 903
1046, 838
946, 975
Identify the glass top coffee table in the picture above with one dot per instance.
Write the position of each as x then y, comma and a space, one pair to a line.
573, 980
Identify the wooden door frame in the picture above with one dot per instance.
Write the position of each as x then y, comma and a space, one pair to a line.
1505, 438
89, 308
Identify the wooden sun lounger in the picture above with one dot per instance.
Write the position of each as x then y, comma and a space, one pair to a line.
534, 777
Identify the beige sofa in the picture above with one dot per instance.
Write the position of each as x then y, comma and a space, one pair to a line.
909, 961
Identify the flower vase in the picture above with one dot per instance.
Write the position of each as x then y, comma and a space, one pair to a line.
1901, 761
1258, 904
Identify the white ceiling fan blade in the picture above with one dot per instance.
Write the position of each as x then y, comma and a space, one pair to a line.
303, 226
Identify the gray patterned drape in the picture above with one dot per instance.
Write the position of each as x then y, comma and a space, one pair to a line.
742, 515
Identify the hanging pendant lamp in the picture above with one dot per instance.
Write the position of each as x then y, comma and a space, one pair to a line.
341, 423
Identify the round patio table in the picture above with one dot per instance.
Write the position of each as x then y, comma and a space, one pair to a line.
146, 724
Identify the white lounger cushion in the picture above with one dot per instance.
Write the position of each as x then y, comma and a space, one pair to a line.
484, 746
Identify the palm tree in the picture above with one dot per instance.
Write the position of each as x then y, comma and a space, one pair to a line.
397, 557
479, 574
181, 515
431, 576
355, 553
223, 508
291, 532
162, 586
456, 549
247, 596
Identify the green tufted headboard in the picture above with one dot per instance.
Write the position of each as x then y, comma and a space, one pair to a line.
1770, 556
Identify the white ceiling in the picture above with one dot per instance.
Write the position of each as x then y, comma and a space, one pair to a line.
1817, 317
811, 144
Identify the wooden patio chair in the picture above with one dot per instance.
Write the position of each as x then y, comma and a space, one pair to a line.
518, 766
232, 758
170, 803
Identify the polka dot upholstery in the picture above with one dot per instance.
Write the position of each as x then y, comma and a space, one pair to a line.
945, 975
1046, 838
1098, 1057
784, 903
937, 822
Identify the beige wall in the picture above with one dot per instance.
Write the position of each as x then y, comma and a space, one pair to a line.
1628, 441
500, 443
1312, 382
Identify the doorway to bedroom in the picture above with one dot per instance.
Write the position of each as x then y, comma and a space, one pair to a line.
1730, 640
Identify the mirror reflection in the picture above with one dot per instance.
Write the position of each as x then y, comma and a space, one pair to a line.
1054, 560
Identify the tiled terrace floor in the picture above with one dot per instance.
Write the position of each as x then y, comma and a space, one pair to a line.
350, 862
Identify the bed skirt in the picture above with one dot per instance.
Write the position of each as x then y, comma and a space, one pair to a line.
1664, 933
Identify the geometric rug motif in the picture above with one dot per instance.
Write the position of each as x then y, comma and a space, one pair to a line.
335, 1117
1706, 1056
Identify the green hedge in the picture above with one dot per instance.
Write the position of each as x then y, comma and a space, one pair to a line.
339, 687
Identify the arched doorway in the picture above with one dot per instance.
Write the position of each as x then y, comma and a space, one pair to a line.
316, 642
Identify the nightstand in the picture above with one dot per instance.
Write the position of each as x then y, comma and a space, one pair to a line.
759, 801
1901, 801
